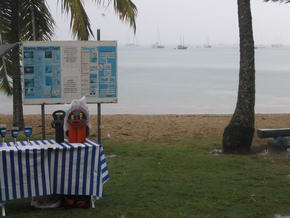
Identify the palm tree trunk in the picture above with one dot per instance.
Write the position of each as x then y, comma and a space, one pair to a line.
239, 133
17, 89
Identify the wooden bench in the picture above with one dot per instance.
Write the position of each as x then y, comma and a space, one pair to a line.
278, 136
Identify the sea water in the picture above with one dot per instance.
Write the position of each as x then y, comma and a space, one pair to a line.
193, 81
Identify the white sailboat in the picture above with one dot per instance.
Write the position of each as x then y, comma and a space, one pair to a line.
182, 46
158, 44
207, 44
277, 45
132, 43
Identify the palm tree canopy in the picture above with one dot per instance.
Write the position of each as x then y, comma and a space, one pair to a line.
37, 9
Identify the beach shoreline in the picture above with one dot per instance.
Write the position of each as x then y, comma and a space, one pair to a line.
131, 127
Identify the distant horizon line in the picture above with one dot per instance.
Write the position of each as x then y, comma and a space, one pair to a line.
203, 44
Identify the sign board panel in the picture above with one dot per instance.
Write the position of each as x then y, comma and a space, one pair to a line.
58, 72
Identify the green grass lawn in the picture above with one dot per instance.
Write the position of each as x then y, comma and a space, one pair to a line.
180, 178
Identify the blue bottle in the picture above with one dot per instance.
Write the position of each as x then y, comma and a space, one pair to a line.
3, 132
28, 133
15, 133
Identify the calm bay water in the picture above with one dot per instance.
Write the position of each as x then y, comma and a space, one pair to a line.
193, 81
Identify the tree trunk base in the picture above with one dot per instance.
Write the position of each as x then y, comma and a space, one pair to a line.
237, 139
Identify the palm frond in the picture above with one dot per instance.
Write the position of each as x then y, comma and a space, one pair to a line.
36, 13
80, 23
5, 19
5, 78
5, 29
127, 11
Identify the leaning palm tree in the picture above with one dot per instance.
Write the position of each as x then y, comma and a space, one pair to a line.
31, 20
239, 133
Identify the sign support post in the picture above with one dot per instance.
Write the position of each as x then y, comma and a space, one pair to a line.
43, 121
99, 104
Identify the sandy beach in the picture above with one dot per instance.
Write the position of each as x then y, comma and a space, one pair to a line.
155, 127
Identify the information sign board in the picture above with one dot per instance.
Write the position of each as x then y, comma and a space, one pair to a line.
58, 72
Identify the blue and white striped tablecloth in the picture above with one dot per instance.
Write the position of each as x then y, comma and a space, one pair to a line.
45, 167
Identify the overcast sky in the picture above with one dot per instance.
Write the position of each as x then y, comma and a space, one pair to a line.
198, 22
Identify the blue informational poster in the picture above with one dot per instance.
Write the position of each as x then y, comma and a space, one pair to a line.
42, 78
99, 68
57, 72
107, 74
